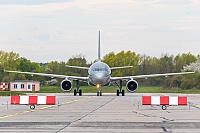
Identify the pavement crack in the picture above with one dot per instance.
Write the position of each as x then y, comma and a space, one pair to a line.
94, 110
146, 115
166, 119
85, 115
63, 128
151, 115
164, 127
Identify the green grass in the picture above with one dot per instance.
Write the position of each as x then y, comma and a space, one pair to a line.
50, 89
141, 89
161, 90
111, 89
8, 93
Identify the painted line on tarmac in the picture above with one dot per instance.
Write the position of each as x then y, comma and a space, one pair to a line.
78, 100
42, 108
198, 105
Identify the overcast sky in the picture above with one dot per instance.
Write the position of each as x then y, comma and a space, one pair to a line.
47, 30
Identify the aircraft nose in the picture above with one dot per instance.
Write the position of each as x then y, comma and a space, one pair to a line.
99, 78
99, 75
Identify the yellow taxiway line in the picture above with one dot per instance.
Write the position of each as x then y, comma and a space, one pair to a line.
198, 105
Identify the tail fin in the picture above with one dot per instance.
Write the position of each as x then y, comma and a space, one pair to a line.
99, 56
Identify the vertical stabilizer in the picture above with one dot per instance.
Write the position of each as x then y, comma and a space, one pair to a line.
99, 55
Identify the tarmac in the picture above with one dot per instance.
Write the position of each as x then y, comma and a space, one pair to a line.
108, 113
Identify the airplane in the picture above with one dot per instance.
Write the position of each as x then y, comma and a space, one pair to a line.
99, 74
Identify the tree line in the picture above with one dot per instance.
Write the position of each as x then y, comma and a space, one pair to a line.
142, 65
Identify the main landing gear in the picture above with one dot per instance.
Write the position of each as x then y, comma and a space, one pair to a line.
77, 90
120, 91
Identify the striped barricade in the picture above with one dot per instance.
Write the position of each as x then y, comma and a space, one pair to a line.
164, 101
33, 100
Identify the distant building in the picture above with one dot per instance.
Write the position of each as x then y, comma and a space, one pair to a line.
3, 86
25, 85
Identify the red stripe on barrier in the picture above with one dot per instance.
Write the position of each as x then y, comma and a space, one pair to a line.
164, 100
33, 99
146, 100
182, 100
51, 100
15, 99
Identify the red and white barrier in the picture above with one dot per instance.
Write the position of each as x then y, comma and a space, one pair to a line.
33, 100
164, 100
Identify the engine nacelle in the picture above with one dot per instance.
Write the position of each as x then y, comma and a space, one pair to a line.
132, 86
66, 85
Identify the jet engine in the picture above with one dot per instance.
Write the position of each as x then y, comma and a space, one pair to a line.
131, 86
66, 85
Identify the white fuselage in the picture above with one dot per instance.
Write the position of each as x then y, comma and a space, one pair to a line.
99, 74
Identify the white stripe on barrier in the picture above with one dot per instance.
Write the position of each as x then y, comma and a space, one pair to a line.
41, 100
173, 100
24, 99
155, 100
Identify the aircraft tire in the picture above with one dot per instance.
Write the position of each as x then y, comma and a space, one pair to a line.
123, 93
80, 92
75, 92
117, 92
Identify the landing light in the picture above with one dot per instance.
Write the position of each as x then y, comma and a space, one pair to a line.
98, 86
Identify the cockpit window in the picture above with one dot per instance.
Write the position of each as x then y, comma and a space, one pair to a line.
99, 69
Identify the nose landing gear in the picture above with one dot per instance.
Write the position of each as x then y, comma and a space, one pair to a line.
77, 91
99, 93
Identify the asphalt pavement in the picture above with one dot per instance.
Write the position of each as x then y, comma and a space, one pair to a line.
107, 113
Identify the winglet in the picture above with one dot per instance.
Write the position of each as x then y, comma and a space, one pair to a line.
99, 56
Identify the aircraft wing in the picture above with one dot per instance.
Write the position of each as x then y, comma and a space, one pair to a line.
78, 67
50, 75
148, 76
114, 68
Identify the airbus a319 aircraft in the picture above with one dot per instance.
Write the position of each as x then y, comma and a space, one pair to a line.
99, 75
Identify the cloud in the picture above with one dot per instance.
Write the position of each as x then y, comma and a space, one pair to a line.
147, 1
184, 28
175, 2
43, 37
31, 10
57, 30
191, 17
30, 2
196, 2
